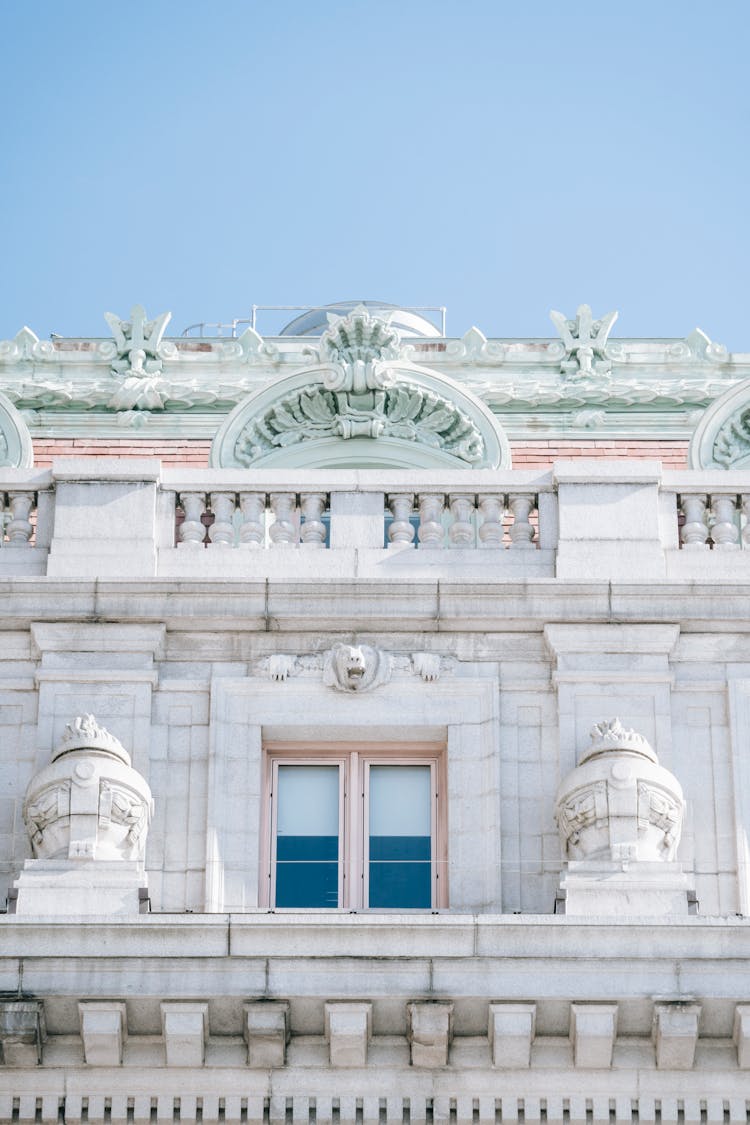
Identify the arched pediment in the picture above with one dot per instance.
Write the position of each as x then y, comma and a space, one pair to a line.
16, 450
361, 406
722, 437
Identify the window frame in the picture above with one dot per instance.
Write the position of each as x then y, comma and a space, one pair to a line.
354, 759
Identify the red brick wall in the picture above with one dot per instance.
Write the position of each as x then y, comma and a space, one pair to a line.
186, 451
541, 454
526, 454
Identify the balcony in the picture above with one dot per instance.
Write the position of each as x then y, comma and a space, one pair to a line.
581, 521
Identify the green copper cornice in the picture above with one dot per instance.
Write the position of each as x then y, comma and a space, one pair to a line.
584, 381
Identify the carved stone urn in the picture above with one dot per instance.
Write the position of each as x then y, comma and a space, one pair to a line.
87, 815
619, 814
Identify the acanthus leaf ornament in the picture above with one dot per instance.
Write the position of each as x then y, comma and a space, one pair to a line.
407, 411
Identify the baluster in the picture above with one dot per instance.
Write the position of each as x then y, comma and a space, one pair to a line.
20, 528
401, 531
522, 530
221, 531
252, 528
313, 530
745, 498
283, 530
724, 532
491, 530
192, 531
430, 532
695, 529
461, 531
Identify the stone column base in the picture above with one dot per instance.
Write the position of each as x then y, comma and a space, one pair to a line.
638, 888
74, 887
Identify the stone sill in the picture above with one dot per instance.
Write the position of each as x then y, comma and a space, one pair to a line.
258, 933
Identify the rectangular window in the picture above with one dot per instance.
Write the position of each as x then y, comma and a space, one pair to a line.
399, 836
307, 835
354, 827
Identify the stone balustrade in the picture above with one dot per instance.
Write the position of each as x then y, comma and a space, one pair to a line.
489, 518
716, 520
581, 520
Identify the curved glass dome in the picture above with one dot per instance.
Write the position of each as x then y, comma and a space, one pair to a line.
315, 321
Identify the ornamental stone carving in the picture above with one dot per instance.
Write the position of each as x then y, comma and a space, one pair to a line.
138, 360
356, 668
426, 665
585, 341
89, 803
16, 450
361, 389
619, 804
722, 437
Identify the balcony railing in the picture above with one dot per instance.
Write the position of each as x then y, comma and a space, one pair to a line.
488, 519
598, 521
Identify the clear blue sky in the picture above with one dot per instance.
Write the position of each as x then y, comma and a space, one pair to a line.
498, 158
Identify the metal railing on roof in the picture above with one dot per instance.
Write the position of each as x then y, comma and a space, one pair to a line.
236, 326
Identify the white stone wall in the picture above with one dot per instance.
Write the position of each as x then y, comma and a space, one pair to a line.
513, 707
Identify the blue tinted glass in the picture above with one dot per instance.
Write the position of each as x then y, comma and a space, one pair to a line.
400, 872
307, 841
307, 871
400, 845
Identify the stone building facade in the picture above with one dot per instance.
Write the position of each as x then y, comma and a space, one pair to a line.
375, 711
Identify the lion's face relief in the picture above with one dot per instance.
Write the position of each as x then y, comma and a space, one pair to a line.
351, 664
356, 667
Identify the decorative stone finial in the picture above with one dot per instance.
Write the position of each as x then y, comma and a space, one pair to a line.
139, 334
139, 351
585, 341
611, 735
359, 337
89, 803
355, 352
84, 733
619, 803
619, 814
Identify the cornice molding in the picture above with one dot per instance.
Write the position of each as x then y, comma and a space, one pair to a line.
140, 379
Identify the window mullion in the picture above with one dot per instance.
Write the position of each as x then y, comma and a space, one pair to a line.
343, 802
354, 842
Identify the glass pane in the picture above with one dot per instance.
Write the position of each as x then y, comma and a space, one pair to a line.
307, 836
400, 840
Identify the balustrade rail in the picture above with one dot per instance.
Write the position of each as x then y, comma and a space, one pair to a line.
252, 519
427, 520
574, 522
718, 521
19, 509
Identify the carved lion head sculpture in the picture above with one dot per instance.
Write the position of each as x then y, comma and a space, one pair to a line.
355, 667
